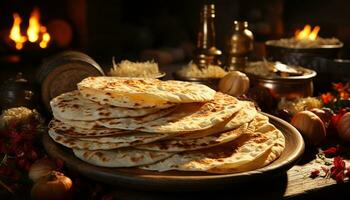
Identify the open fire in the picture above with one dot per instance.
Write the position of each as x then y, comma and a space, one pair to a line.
307, 33
306, 38
36, 32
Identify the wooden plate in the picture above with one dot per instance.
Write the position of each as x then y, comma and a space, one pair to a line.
180, 181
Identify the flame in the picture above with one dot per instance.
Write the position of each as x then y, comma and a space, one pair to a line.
45, 40
15, 33
34, 26
35, 29
307, 33
35, 32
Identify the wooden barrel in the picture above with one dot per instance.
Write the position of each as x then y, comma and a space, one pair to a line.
61, 73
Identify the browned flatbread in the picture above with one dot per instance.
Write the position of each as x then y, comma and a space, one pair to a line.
187, 117
107, 142
73, 106
265, 142
124, 157
75, 132
127, 123
142, 92
174, 145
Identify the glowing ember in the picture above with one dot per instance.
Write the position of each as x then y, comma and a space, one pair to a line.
307, 33
15, 33
35, 32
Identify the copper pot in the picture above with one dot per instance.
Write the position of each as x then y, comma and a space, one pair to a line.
288, 87
268, 91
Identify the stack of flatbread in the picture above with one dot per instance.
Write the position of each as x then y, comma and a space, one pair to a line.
162, 125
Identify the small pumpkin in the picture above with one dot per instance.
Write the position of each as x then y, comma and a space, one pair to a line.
54, 186
310, 126
234, 83
343, 127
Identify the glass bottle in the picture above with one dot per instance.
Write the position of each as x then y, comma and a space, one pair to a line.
206, 52
240, 44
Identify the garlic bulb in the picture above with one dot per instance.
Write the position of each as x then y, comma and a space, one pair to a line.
310, 126
235, 83
343, 127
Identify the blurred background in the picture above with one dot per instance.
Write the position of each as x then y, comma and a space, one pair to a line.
164, 31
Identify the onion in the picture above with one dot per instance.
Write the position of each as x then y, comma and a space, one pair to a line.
41, 168
54, 186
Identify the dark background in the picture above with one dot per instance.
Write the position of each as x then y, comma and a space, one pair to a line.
166, 30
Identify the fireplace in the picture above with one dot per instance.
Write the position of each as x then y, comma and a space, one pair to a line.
136, 30
31, 31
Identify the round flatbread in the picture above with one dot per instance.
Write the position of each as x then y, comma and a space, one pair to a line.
73, 106
174, 145
239, 155
142, 92
116, 122
108, 142
75, 132
187, 117
125, 157
246, 114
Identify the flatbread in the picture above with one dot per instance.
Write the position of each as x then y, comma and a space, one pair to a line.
121, 122
106, 143
142, 92
71, 131
245, 115
73, 106
233, 157
125, 157
174, 145
187, 117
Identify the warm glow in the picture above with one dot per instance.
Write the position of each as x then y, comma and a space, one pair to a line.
307, 33
45, 41
15, 33
34, 26
35, 32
